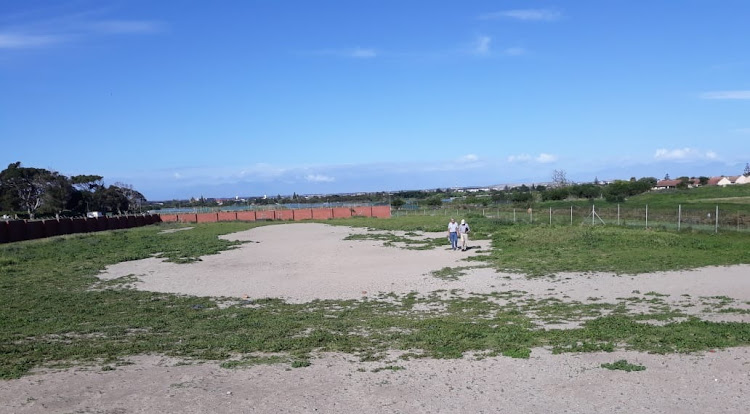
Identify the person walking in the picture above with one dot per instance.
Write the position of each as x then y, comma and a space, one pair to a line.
453, 233
463, 230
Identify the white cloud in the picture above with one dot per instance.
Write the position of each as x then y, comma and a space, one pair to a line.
726, 95
469, 158
683, 154
319, 178
546, 158
482, 45
524, 15
177, 175
363, 53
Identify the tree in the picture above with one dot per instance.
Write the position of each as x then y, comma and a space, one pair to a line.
59, 194
559, 178
703, 180
27, 185
110, 199
617, 191
522, 197
746, 173
435, 201
135, 199
397, 203
555, 194
683, 184
666, 176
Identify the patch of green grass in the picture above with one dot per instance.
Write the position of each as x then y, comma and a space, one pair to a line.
544, 250
624, 365
449, 273
392, 239
300, 363
735, 310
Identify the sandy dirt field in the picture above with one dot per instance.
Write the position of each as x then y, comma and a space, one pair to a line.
302, 262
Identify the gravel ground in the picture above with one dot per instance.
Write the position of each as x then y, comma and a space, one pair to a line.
302, 262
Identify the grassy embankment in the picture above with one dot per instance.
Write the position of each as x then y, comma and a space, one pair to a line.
55, 311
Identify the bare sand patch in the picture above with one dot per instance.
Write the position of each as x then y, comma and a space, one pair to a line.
300, 262
715, 382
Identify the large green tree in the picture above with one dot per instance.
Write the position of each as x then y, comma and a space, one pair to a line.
25, 187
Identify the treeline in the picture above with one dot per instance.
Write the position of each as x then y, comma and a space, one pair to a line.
616, 191
524, 195
32, 192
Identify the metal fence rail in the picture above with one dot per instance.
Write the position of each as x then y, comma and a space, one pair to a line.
679, 218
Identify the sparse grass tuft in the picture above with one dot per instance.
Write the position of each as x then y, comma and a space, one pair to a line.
623, 365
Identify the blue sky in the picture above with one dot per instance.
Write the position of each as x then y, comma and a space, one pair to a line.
226, 98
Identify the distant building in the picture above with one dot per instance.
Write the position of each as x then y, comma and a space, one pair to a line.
724, 181
666, 184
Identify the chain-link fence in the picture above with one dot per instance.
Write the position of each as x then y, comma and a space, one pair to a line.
679, 218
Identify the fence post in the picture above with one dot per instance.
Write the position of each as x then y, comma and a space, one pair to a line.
716, 228
646, 215
618, 214
679, 216
571, 215
593, 213
550, 217
514, 215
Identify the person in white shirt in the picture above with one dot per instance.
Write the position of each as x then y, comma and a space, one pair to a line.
463, 230
453, 233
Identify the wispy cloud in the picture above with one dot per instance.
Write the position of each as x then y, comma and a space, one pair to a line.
537, 15
363, 53
319, 178
46, 29
740, 94
25, 41
542, 158
469, 158
684, 154
482, 45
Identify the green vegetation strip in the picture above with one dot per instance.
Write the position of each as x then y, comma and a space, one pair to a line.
55, 312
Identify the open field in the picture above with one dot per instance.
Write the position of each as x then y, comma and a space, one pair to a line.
376, 316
